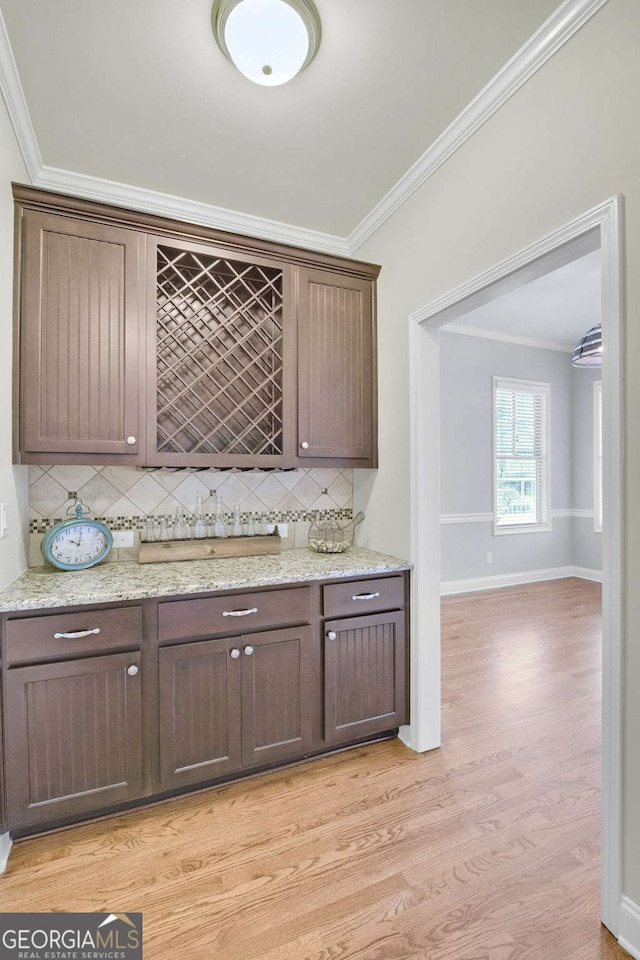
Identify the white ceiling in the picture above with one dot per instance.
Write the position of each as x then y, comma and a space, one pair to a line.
558, 307
136, 91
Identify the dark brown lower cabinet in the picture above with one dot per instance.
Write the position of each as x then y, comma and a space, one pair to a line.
278, 700
199, 698
234, 703
73, 737
364, 676
85, 732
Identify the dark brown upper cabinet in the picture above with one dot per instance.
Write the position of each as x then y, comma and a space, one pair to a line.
336, 370
221, 378
80, 335
142, 340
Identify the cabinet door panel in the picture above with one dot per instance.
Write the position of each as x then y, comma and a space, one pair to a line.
199, 712
80, 332
74, 737
364, 676
336, 367
277, 695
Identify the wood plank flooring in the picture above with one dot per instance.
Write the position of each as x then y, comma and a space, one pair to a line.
484, 850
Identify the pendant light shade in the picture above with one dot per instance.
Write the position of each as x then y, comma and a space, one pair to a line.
269, 41
588, 351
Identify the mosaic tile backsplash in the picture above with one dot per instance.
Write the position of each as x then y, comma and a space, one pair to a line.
125, 496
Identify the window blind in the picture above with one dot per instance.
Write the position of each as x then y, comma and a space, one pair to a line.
521, 454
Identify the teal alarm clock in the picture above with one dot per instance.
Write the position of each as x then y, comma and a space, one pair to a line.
78, 543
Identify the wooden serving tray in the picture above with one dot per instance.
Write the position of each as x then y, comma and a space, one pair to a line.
172, 550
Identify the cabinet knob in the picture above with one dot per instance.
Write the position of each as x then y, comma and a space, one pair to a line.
248, 651
332, 635
131, 441
235, 653
305, 445
133, 670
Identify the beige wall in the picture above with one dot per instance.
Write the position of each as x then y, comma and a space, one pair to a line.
568, 140
13, 480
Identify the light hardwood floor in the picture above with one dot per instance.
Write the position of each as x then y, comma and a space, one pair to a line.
484, 850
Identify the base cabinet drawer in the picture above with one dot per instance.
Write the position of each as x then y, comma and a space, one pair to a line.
361, 597
225, 615
230, 704
364, 676
67, 635
73, 738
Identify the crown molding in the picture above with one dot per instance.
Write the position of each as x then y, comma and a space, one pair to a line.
469, 331
11, 88
139, 198
551, 36
191, 211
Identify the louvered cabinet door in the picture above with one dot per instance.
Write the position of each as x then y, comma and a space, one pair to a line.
73, 737
80, 385
278, 696
199, 711
336, 368
364, 664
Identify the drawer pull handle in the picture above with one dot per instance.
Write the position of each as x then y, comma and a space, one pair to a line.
235, 653
131, 441
332, 635
77, 635
239, 613
248, 651
133, 670
365, 596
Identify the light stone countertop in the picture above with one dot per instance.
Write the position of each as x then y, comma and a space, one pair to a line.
40, 587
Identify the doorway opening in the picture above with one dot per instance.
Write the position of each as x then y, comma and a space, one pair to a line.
599, 229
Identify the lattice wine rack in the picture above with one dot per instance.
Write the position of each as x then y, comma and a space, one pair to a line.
219, 355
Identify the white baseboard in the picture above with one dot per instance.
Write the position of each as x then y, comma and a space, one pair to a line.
450, 587
583, 573
5, 849
629, 934
504, 580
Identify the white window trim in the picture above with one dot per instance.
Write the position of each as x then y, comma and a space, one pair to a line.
597, 456
526, 386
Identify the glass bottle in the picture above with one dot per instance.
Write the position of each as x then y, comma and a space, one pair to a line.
180, 531
251, 527
210, 513
238, 529
148, 534
200, 528
220, 527
164, 529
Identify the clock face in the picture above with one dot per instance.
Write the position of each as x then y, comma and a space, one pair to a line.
77, 544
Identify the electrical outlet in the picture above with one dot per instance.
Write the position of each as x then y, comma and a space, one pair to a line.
283, 529
123, 538
3, 519
489, 557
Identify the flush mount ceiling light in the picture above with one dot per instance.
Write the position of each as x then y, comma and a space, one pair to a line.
588, 351
269, 41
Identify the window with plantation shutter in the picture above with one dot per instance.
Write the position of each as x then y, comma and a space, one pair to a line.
521, 441
597, 456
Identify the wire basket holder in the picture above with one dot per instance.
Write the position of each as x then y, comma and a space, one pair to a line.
331, 536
